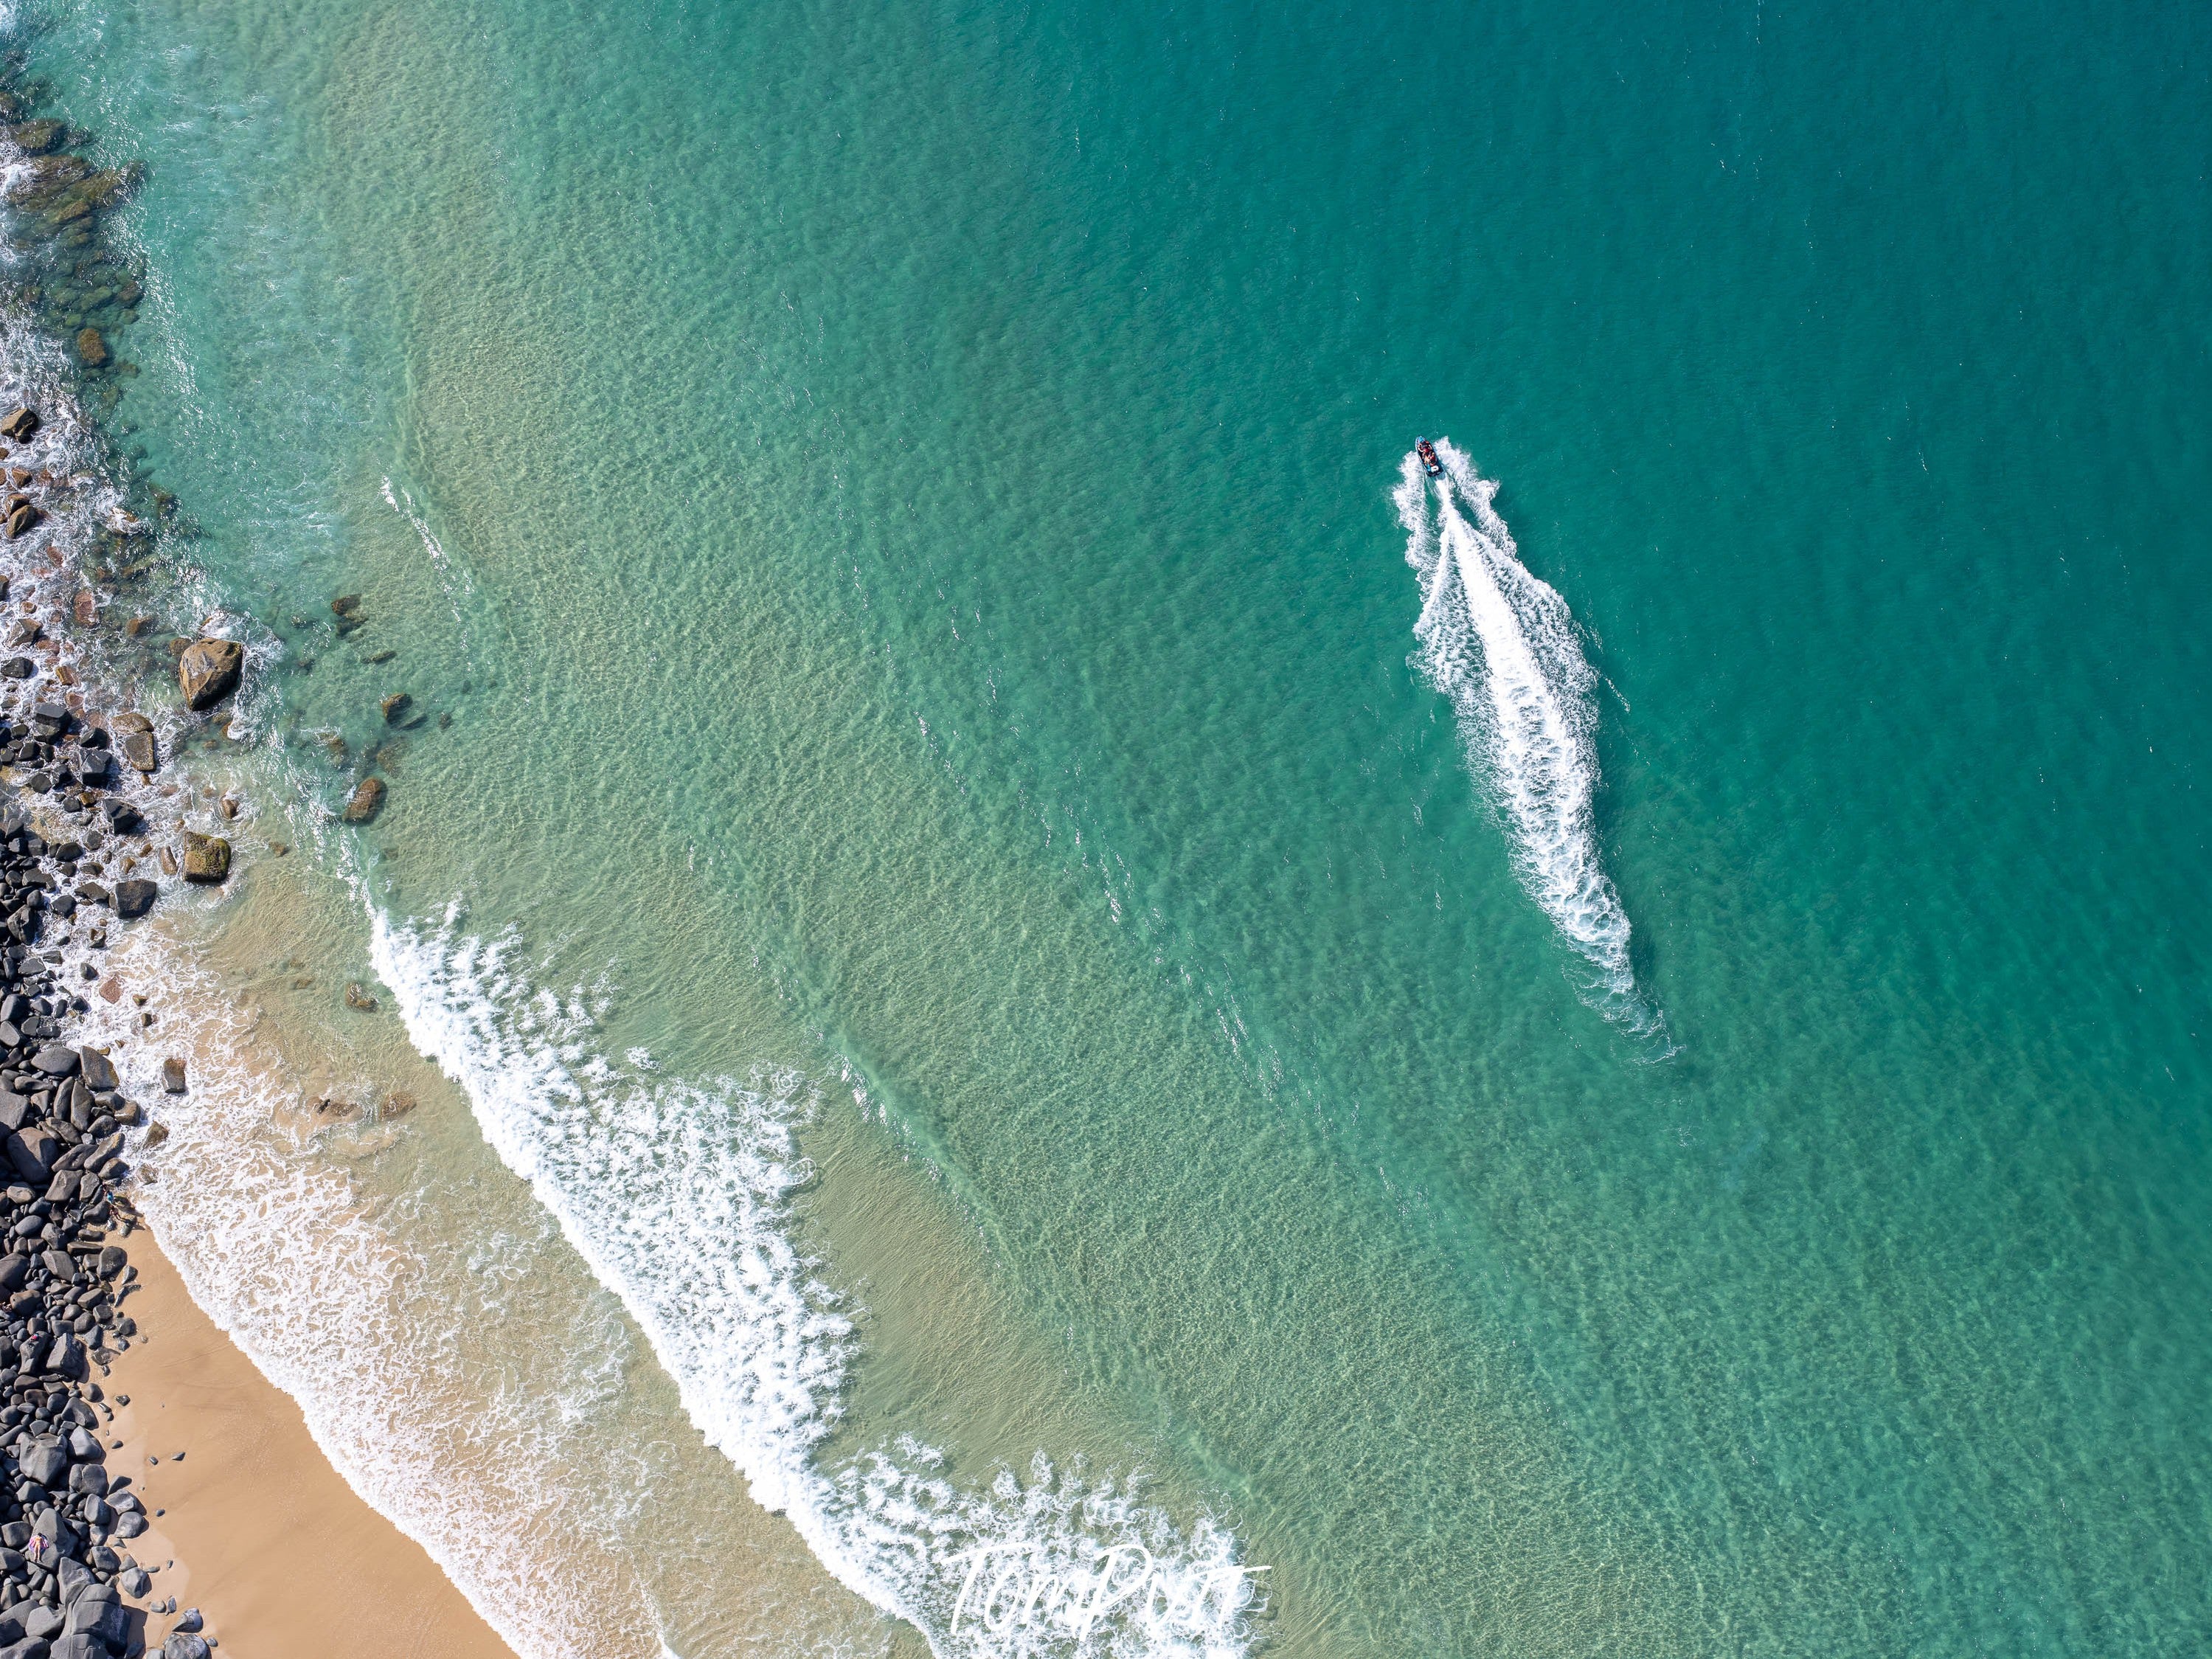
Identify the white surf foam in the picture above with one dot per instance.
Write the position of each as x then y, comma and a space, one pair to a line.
281, 1250
1502, 646
677, 1195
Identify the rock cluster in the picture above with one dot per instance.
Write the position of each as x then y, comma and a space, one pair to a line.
64, 1518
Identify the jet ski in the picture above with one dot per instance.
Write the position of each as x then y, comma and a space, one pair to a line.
1426, 450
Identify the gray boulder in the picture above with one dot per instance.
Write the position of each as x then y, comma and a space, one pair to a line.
32, 1152
133, 1581
82, 1645
97, 1070
61, 1539
129, 1524
55, 1060
99, 1613
85, 1449
73, 1578
134, 897
185, 1645
42, 1622
31, 1647
45, 1462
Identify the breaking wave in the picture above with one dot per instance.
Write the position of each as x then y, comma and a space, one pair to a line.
1502, 646
678, 1194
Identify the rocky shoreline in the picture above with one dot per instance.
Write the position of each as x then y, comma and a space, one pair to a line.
69, 865
77, 856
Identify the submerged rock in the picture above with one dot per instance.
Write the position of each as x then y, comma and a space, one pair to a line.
208, 671
91, 350
37, 138
368, 800
395, 707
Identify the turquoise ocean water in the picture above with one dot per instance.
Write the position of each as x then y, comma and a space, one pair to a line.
975, 950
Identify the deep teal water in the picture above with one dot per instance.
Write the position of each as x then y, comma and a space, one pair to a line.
919, 596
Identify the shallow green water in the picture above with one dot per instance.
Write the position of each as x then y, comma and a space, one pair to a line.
905, 542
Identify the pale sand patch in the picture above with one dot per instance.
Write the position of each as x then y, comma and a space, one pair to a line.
279, 1554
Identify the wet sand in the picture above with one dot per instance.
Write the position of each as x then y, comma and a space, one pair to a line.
279, 1554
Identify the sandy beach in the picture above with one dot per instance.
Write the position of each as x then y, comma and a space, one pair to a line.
258, 1530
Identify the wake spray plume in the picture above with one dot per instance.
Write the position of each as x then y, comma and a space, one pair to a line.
1502, 646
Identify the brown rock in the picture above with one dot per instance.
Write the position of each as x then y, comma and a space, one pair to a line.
395, 707
87, 608
137, 625
398, 1105
20, 425
207, 858
208, 671
357, 998
140, 753
91, 350
368, 800
172, 1076
346, 605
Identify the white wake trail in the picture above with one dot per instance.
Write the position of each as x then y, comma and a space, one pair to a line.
1502, 646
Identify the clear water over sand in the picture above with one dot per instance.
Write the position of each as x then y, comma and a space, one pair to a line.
968, 953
